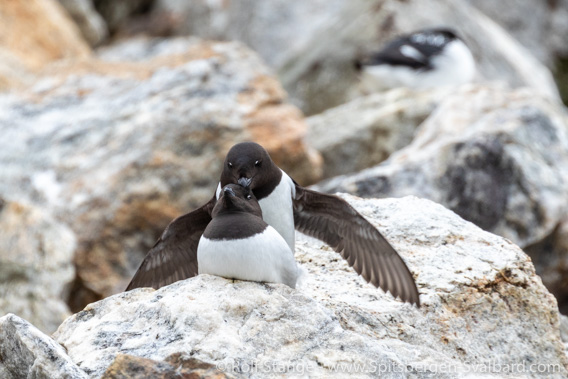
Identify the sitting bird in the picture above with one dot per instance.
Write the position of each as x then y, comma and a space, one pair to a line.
424, 59
238, 244
286, 207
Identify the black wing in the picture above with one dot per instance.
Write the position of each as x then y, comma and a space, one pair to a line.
174, 256
361, 244
393, 54
413, 50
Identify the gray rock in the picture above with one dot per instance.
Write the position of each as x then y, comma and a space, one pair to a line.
564, 329
369, 129
482, 306
497, 158
117, 148
36, 265
89, 21
550, 257
543, 33
25, 352
313, 44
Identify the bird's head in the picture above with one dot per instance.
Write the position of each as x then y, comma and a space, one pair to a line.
249, 165
236, 198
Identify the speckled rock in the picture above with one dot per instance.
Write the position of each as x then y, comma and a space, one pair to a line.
25, 352
313, 44
367, 130
496, 157
564, 330
118, 147
482, 306
174, 366
36, 265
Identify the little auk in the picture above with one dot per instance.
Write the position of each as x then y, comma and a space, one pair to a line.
238, 244
424, 59
285, 206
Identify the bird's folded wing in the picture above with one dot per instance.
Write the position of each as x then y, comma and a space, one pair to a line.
333, 221
174, 256
403, 52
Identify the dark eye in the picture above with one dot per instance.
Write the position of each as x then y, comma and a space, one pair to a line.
249, 197
257, 163
230, 165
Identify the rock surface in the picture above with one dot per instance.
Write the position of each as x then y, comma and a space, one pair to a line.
564, 331
482, 306
497, 158
117, 13
544, 33
174, 366
118, 147
25, 352
93, 27
313, 44
35, 33
369, 129
36, 265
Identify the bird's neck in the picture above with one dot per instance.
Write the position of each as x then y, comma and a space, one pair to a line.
271, 183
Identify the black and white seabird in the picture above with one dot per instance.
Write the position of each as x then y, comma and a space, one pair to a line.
285, 206
424, 59
238, 244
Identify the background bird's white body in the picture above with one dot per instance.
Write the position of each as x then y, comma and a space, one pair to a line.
454, 66
263, 257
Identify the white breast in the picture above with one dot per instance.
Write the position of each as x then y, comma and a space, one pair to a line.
277, 209
454, 67
264, 257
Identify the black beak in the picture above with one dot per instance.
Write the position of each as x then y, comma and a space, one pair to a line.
229, 191
244, 182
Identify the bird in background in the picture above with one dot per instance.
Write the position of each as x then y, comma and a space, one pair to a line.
423, 59
285, 207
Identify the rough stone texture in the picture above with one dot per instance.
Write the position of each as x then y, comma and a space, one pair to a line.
313, 44
36, 265
482, 305
118, 147
497, 158
174, 366
367, 130
564, 331
25, 352
550, 257
89, 21
543, 33
35, 33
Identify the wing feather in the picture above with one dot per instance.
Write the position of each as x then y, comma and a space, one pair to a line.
335, 222
174, 255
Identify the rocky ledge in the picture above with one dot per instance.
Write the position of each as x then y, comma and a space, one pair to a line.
484, 311
117, 146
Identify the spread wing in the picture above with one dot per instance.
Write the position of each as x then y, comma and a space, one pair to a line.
361, 244
174, 256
